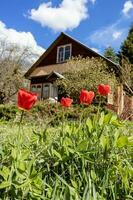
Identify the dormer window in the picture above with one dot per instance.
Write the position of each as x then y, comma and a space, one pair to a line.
64, 53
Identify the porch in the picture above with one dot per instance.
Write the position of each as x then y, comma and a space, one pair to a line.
45, 86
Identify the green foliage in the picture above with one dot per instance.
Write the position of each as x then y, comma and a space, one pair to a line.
126, 49
84, 74
47, 112
8, 112
86, 159
111, 54
126, 61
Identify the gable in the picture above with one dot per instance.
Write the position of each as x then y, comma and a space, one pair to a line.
78, 49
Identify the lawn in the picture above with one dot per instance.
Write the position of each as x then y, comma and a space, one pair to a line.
62, 158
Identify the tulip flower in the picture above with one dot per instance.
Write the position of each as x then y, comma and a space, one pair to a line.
86, 97
26, 99
103, 90
66, 102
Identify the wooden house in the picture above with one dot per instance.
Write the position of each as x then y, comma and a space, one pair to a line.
51, 65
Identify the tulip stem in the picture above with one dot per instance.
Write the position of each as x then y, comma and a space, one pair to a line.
62, 127
99, 105
21, 118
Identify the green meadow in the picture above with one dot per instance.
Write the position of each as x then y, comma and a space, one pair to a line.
65, 156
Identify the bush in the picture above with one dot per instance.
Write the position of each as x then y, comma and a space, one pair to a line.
48, 113
8, 112
85, 73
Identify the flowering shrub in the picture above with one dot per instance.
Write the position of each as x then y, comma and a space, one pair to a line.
85, 73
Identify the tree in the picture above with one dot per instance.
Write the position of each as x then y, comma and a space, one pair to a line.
12, 64
127, 75
126, 61
126, 49
86, 73
111, 54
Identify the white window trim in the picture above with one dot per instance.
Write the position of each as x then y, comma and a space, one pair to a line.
57, 59
36, 84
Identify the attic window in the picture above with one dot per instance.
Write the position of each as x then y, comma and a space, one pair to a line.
64, 53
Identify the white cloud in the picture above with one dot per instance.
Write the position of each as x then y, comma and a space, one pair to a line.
20, 39
113, 35
127, 7
108, 36
95, 49
116, 34
67, 15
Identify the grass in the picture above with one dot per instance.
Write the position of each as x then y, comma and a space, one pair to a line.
90, 158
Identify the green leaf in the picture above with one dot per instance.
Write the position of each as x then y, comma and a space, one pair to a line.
122, 141
74, 184
21, 166
67, 195
89, 124
57, 154
55, 164
107, 118
25, 154
65, 183
83, 145
5, 172
104, 140
130, 141
93, 175
67, 142
4, 184
101, 120
14, 154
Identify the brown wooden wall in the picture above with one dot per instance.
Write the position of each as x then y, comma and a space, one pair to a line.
77, 50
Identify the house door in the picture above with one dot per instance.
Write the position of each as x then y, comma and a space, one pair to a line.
46, 91
49, 91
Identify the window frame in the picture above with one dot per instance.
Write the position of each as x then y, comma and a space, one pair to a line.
63, 46
36, 84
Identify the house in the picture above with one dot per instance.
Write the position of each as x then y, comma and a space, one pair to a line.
51, 65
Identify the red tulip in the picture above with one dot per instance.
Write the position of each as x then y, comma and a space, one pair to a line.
103, 89
26, 99
66, 102
86, 97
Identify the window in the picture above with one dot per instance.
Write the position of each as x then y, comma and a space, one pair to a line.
37, 88
64, 53
45, 91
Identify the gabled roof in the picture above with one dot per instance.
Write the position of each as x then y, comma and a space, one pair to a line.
58, 75
46, 70
27, 74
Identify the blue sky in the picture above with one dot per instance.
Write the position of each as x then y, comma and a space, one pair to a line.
36, 23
